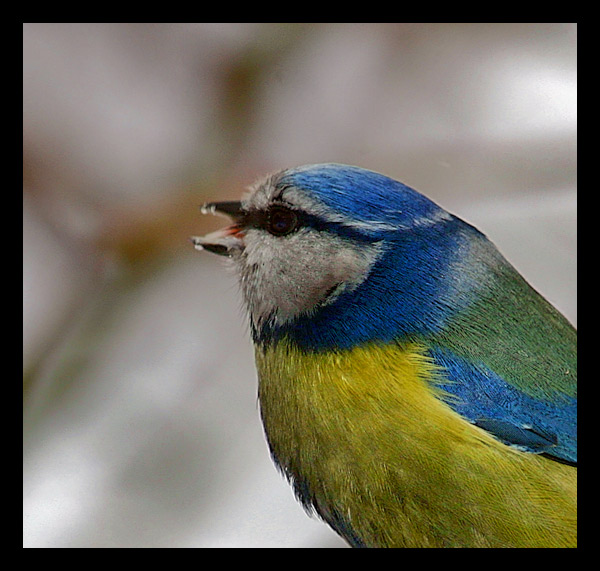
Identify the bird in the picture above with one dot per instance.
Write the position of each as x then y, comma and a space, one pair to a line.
414, 389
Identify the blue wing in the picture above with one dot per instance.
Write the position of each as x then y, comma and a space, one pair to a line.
536, 425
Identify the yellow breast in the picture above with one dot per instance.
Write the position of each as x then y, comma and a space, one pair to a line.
367, 432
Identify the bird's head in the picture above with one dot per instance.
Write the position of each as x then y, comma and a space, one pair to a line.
329, 241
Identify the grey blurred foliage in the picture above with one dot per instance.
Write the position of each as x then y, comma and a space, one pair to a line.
141, 425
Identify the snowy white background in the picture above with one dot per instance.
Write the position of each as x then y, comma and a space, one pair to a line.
141, 425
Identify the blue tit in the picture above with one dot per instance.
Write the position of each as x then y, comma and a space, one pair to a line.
414, 389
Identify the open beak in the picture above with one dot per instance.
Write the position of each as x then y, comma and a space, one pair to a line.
223, 242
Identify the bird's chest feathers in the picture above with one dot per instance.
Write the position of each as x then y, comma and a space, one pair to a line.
335, 416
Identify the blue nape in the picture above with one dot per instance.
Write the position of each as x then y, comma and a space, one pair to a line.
408, 292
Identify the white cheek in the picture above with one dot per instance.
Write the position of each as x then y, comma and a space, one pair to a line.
348, 265
285, 277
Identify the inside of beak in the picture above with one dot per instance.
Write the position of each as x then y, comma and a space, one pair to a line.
226, 241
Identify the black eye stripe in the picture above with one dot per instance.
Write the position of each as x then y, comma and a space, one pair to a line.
278, 217
262, 219
281, 221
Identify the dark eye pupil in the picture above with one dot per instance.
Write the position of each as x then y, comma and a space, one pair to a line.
282, 221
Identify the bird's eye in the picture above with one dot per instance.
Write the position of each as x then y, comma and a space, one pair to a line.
281, 221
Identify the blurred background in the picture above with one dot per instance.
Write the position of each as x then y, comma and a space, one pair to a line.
141, 426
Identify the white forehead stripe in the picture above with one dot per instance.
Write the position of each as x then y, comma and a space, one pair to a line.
307, 203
